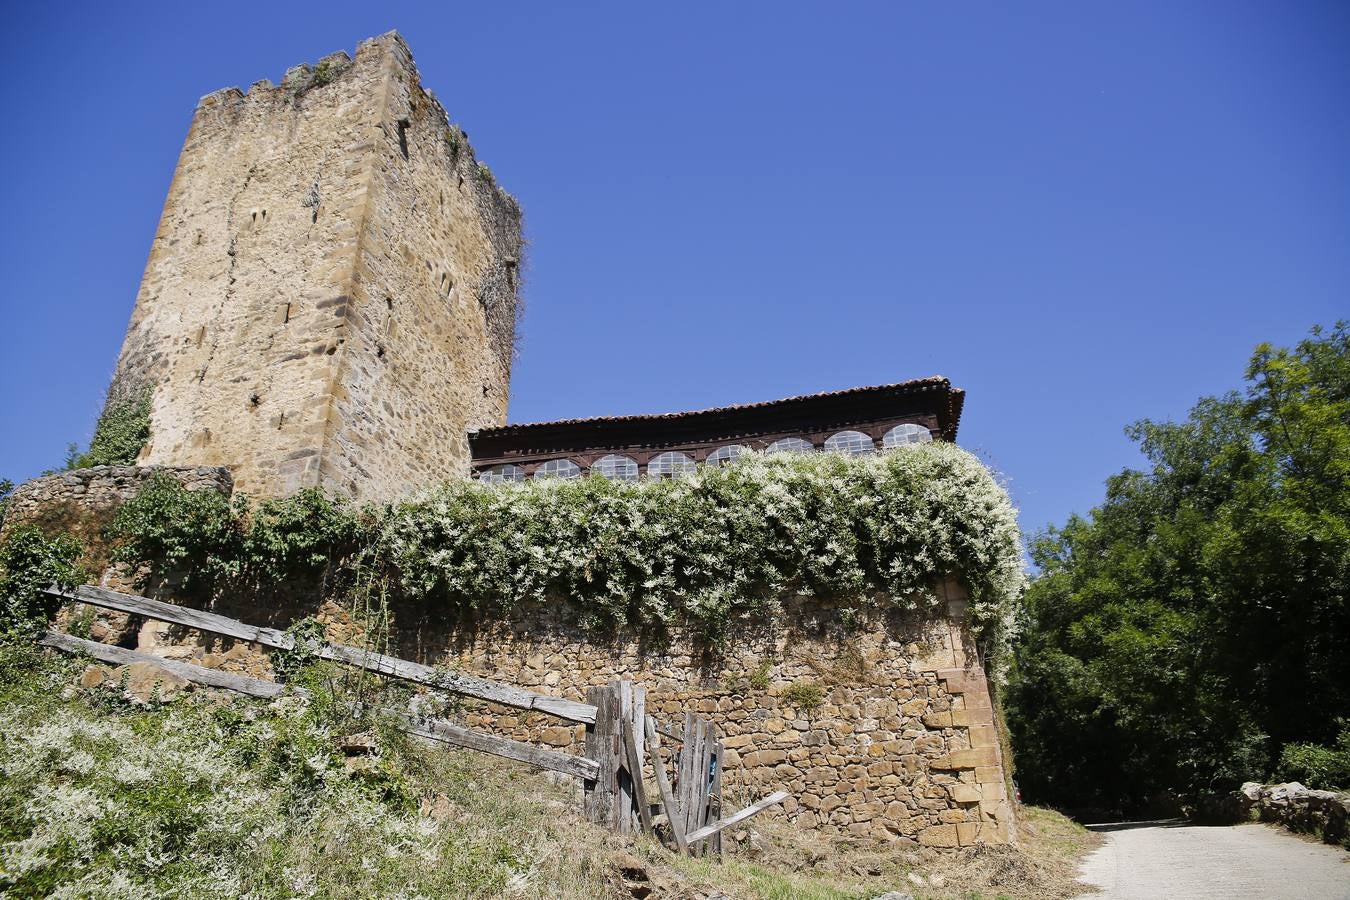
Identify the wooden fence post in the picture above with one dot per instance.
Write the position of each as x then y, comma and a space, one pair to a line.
601, 737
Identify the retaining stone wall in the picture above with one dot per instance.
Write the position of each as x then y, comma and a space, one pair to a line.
902, 744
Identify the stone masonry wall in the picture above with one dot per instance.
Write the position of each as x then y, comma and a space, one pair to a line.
309, 304
82, 502
902, 745
899, 741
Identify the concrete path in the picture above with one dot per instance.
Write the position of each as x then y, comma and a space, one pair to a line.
1151, 860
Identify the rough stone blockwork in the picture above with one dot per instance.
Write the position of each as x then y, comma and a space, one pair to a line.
1322, 813
331, 295
902, 744
81, 500
888, 732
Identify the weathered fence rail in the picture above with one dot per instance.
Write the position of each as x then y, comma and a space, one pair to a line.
621, 739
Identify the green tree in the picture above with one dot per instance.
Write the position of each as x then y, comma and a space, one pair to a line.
6, 488
1194, 623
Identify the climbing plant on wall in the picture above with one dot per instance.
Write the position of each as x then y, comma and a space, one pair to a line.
121, 432
720, 547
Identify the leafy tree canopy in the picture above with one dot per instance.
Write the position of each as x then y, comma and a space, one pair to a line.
1196, 622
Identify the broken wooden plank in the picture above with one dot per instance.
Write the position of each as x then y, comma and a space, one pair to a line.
256, 687
253, 687
459, 683
454, 682
626, 802
179, 615
715, 795
635, 772
709, 830
663, 786
683, 776
695, 815
602, 790
449, 733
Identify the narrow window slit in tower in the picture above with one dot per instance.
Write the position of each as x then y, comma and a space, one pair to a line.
281, 420
286, 316
389, 302
403, 137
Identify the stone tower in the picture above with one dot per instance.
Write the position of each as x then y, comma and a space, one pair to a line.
331, 295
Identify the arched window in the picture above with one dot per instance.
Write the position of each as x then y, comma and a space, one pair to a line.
670, 464
499, 474
854, 443
789, 445
902, 435
558, 468
724, 455
619, 468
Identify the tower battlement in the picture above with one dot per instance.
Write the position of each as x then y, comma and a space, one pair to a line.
332, 293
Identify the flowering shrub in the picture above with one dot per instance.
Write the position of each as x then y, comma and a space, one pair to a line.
721, 545
220, 796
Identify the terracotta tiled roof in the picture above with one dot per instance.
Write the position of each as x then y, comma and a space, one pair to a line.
917, 384
934, 395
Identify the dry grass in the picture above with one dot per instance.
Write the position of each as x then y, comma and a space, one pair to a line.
487, 827
783, 862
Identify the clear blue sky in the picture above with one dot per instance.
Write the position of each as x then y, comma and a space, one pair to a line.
1083, 213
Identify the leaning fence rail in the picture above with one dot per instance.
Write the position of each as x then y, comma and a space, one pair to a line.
621, 739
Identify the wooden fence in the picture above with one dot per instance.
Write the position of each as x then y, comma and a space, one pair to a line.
621, 738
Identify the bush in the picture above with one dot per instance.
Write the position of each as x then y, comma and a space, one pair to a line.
207, 543
721, 547
222, 796
1318, 766
195, 535
805, 695
30, 562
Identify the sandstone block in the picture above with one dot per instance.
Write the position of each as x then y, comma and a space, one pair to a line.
556, 736
965, 793
966, 759
983, 736
914, 707
939, 836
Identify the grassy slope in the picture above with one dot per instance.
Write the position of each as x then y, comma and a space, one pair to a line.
216, 796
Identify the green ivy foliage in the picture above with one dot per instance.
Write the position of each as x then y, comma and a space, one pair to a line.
196, 535
29, 562
1317, 766
1195, 622
209, 543
6, 488
122, 431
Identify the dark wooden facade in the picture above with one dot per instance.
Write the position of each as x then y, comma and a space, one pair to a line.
931, 403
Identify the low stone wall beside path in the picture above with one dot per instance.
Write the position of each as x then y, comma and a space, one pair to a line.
1323, 813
